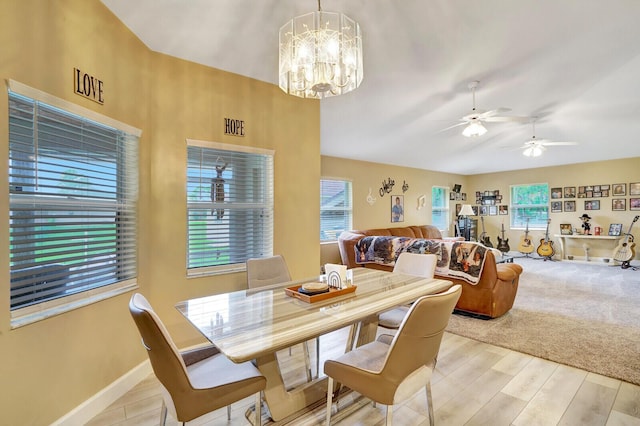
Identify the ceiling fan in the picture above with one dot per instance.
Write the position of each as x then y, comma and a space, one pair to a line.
535, 147
473, 121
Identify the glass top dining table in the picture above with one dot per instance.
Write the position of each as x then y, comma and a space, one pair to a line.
254, 324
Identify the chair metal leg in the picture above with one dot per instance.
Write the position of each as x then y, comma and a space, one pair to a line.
228, 412
163, 414
430, 404
258, 410
389, 419
329, 400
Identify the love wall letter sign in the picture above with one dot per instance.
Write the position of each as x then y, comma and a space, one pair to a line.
88, 86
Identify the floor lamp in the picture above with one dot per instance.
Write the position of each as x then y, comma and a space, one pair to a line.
467, 211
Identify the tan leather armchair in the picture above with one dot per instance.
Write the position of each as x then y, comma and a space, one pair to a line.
391, 373
197, 382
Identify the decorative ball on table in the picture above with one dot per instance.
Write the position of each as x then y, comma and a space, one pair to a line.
585, 224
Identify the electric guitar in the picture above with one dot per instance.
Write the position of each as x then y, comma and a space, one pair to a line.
484, 238
624, 252
503, 244
545, 249
525, 245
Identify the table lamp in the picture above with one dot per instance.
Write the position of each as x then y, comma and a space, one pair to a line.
466, 211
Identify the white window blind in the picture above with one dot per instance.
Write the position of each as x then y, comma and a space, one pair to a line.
440, 207
229, 203
73, 186
335, 208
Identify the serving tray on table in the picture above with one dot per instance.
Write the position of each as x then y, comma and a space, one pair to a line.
311, 298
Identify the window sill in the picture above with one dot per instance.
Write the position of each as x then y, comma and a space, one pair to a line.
42, 311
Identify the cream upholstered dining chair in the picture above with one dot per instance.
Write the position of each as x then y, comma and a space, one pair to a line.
393, 368
422, 265
196, 382
271, 270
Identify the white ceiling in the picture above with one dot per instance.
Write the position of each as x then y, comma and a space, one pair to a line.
573, 63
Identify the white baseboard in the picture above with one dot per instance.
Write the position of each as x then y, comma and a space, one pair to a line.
107, 396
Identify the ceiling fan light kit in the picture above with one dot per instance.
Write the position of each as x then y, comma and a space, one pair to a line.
473, 122
474, 129
320, 55
535, 147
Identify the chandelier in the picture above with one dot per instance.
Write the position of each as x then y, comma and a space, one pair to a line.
320, 55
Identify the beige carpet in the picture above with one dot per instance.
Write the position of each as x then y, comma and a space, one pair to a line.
585, 315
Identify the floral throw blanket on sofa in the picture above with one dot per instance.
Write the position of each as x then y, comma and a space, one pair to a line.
459, 259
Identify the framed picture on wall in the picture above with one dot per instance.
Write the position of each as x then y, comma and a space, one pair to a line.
592, 205
619, 189
634, 203
493, 210
556, 192
569, 206
618, 204
397, 208
503, 209
556, 207
569, 192
634, 188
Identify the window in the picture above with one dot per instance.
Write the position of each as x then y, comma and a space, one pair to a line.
336, 210
529, 202
73, 185
229, 204
440, 207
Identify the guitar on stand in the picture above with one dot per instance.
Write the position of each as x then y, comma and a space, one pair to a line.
503, 244
625, 252
525, 247
485, 239
545, 249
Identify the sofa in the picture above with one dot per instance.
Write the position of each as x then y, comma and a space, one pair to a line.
493, 294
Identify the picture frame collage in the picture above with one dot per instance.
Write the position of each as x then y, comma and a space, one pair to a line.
564, 199
489, 203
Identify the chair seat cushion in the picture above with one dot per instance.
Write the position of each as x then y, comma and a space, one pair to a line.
218, 370
393, 317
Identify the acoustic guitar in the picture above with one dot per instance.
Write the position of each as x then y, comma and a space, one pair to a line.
624, 252
503, 243
485, 239
545, 249
525, 245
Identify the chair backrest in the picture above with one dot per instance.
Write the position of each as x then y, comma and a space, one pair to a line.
422, 265
418, 339
166, 361
267, 271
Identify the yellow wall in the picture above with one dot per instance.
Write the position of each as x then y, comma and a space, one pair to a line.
596, 173
366, 177
370, 175
50, 367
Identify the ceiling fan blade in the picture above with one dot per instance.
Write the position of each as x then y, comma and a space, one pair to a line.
452, 127
494, 112
506, 118
558, 143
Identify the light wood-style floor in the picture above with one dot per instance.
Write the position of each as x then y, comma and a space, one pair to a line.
474, 384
